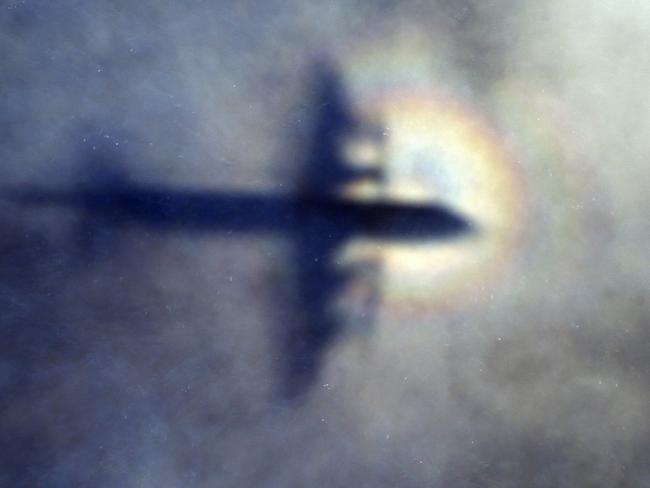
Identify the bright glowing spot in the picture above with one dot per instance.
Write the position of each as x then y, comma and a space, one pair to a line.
436, 149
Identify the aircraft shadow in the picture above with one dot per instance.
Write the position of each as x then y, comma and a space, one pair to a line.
316, 221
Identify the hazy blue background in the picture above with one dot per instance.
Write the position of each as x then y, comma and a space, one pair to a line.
154, 362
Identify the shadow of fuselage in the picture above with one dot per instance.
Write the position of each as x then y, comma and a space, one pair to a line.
315, 219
